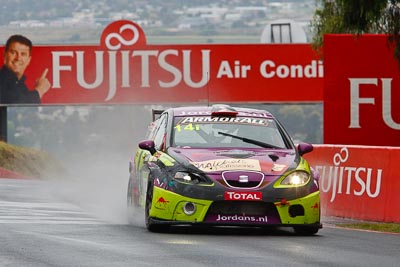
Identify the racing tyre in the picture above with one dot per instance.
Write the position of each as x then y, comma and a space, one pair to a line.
150, 224
129, 199
307, 230
129, 203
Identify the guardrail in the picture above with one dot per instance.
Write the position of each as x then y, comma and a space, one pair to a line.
359, 182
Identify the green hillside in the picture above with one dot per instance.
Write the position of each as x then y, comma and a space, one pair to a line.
28, 162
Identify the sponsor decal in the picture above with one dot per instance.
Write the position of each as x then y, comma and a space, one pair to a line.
350, 180
240, 114
247, 196
161, 203
271, 217
228, 164
251, 121
241, 218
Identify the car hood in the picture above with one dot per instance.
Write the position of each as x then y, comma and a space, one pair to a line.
270, 162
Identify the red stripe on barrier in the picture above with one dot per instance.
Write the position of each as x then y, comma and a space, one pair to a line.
4, 173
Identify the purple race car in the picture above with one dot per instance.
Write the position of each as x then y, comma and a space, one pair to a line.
221, 165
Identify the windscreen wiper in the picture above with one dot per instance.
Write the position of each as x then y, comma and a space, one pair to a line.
250, 141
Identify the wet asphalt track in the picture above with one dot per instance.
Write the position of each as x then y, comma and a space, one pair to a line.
77, 224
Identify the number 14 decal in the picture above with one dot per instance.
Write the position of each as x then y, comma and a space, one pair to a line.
189, 127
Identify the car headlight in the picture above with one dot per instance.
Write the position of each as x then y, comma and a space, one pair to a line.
188, 178
296, 178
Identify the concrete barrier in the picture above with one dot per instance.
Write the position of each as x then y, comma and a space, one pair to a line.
359, 182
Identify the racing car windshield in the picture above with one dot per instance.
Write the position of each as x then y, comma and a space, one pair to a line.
222, 132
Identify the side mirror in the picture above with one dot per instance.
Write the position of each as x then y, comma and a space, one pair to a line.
304, 148
148, 145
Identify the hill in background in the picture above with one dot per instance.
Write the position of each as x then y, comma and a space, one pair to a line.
28, 162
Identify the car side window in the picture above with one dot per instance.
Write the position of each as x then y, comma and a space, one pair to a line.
159, 138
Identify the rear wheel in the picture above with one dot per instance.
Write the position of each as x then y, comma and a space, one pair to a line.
129, 202
129, 199
150, 224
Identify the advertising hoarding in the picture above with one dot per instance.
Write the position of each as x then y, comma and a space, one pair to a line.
361, 91
124, 69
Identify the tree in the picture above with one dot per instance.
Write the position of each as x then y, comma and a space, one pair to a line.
357, 17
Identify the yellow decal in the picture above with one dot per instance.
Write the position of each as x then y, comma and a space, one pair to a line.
228, 164
189, 127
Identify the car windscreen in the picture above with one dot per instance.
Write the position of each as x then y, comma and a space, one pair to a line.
221, 132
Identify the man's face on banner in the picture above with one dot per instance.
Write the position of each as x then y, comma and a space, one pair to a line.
17, 58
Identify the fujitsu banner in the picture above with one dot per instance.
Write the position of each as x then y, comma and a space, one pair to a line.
361, 91
358, 182
123, 68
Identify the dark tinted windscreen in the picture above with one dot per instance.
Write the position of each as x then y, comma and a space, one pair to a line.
217, 132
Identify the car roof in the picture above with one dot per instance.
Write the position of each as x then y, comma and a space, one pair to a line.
208, 110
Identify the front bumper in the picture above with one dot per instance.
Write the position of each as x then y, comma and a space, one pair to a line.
169, 207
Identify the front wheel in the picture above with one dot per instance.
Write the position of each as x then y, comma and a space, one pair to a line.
307, 230
150, 224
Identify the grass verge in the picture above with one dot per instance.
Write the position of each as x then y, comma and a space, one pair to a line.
380, 227
28, 161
